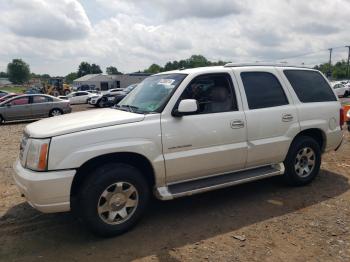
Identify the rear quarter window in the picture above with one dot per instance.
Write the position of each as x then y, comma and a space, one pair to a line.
310, 86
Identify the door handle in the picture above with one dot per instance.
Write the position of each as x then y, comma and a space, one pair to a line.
287, 117
235, 124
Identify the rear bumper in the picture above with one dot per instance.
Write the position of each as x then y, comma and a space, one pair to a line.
48, 192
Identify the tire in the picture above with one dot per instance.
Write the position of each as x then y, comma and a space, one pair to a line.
2, 120
55, 93
97, 212
101, 103
55, 112
66, 92
303, 161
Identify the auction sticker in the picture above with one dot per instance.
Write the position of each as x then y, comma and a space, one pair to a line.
166, 81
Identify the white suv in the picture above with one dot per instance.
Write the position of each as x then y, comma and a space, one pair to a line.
180, 133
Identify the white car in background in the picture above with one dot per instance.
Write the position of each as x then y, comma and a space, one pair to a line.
341, 90
80, 97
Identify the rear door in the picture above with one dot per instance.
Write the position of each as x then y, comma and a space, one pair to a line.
18, 109
41, 106
272, 120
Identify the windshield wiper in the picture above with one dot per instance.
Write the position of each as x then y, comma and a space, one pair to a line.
132, 109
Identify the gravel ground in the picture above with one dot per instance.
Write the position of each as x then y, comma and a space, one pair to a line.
260, 221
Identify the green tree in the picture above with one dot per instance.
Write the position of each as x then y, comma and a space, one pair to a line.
191, 62
112, 70
95, 69
338, 70
71, 77
18, 71
84, 69
3, 74
154, 68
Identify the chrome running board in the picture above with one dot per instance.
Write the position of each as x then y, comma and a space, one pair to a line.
192, 187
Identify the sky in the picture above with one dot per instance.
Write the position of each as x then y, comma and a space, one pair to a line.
54, 36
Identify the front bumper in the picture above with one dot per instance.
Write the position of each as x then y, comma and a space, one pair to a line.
48, 192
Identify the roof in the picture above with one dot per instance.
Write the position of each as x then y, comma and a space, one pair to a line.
86, 77
227, 67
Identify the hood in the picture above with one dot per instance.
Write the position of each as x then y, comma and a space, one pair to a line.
80, 121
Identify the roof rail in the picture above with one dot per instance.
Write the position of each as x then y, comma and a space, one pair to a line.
262, 64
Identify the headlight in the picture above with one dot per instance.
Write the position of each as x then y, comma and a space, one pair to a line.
37, 154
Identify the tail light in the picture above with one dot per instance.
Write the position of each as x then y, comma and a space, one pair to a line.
341, 118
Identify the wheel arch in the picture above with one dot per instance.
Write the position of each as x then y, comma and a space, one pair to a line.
137, 160
317, 134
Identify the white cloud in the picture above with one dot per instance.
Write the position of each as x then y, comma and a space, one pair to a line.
50, 19
133, 34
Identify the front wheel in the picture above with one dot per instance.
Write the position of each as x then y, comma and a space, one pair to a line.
113, 199
303, 161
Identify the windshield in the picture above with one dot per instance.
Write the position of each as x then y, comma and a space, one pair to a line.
152, 93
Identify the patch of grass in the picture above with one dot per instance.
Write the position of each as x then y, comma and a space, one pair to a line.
13, 89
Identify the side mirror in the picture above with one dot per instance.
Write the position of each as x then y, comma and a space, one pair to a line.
186, 106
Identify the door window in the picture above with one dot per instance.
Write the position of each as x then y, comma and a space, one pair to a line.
263, 90
41, 99
19, 101
213, 93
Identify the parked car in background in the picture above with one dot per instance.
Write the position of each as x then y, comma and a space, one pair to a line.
4, 98
33, 90
106, 99
32, 106
120, 95
3, 93
177, 134
79, 97
342, 90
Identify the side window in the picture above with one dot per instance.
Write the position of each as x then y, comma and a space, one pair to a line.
19, 101
263, 90
214, 93
310, 86
41, 99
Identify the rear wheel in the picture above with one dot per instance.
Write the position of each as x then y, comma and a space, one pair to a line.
113, 199
55, 112
303, 161
1, 120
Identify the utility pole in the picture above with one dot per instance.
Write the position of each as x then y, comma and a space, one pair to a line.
347, 68
329, 74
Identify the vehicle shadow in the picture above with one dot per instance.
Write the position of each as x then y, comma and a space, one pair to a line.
26, 234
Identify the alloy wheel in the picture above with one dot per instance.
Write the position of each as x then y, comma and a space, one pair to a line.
118, 203
305, 162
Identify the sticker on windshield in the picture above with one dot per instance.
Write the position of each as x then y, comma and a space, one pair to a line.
166, 81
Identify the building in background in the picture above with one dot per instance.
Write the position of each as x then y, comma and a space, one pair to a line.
5, 82
104, 82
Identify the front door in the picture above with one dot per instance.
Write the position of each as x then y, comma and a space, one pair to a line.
18, 108
212, 140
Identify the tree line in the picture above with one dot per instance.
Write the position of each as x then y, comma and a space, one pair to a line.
18, 71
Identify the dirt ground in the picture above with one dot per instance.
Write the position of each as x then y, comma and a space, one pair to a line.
260, 221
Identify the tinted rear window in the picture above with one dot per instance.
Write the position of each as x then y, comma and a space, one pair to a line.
263, 90
310, 86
